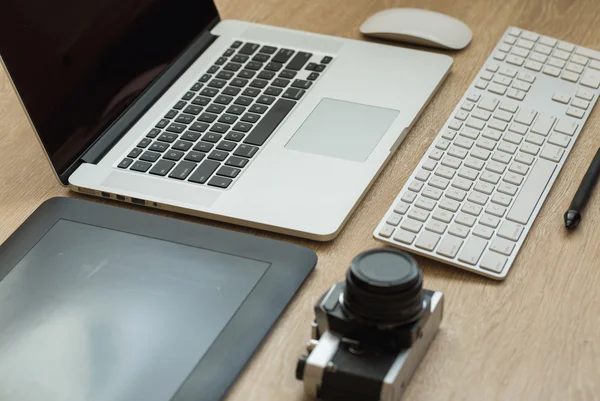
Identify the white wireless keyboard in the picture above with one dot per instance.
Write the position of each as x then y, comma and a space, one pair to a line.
476, 192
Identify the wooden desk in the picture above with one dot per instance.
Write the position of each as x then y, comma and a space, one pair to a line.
535, 336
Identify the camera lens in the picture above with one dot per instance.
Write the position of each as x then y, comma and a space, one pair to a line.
384, 287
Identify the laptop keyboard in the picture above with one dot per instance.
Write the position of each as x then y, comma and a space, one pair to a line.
217, 127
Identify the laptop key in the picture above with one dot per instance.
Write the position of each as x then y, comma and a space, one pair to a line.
211, 137
192, 109
232, 67
249, 48
326, 60
125, 163
237, 110
282, 83
234, 136
266, 75
236, 44
191, 136
182, 170
287, 74
204, 78
207, 117
258, 108
150, 157
225, 75
311, 66
251, 92
167, 137
294, 93
213, 69
199, 127
226, 145
197, 86
220, 61
135, 152
194, 156
230, 172
261, 58
218, 155
231, 91
203, 147
211, 92
250, 118
177, 128
153, 133
185, 119
299, 60
144, 143
171, 114
223, 99
227, 119
265, 100
254, 65
246, 151
259, 83
140, 166
228, 52
220, 128
243, 101
313, 76
273, 66
174, 155
239, 82
182, 145
319, 68
159, 147
162, 123
268, 49
267, 125
179, 105
236, 161
215, 108
162, 167
204, 171
246, 74
217, 83
220, 182
283, 55
188, 96
299, 83
244, 127
201, 101
273, 91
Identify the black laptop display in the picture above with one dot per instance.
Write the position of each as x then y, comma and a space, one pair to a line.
79, 65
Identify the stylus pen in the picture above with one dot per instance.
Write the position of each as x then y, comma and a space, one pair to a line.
573, 215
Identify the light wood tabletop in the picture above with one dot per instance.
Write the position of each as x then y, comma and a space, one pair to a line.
535, 336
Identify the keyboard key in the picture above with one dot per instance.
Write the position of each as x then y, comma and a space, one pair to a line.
283, 55
265, 99
227, 119
531, 191
125, 163
243, 101
483, 232
489, 220
229, 172
552, 153
220, 182
258, 83
248, 48
459, 231
204, 171
194, 156
411, 225
428, 240
493, 261
404, 236
182, 145
141, 166
232, 67
287, 74
199, 126
582, 104
575, 112
567, 127
261, 58
502, 246
313, 76
418, 214
201, 101
273, 66
450, 246
269, 122
150, 156
174, 155
135, 152
235, 136
239, 82
227, 75
294, 93
185, 119
218, 155
162, 167
159, 147
268, 49
212, 138
559, 140
510, 231
273, 91
299, 60
266, 75
472, 250
236, 162
246, 151
585, 95
231, 91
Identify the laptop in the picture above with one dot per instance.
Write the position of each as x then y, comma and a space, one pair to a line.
160, 103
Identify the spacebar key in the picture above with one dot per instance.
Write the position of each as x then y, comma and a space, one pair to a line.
267, 125
531, 191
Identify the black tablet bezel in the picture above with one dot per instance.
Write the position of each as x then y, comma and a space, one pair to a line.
217, 370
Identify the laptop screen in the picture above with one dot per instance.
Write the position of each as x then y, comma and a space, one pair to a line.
78, 65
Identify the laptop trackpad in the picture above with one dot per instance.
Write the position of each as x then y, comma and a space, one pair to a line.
343, 130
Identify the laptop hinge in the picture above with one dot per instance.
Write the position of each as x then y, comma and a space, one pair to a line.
119, 128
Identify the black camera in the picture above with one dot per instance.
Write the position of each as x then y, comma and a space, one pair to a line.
371, 331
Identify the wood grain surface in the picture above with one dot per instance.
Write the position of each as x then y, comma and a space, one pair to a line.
535, 336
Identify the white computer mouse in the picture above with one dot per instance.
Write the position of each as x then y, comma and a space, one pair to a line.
421, 27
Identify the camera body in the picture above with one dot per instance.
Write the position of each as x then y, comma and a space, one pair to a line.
357, 354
